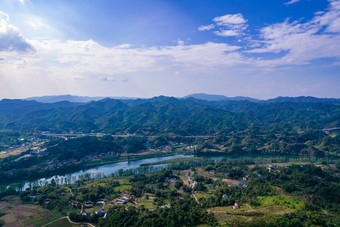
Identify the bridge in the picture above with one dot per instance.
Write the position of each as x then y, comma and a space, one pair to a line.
328, 130
75, 135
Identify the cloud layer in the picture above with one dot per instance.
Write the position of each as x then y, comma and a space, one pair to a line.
229, 25
303, 42
74, 62
11, 38
291, 2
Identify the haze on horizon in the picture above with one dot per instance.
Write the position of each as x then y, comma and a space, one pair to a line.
170, 47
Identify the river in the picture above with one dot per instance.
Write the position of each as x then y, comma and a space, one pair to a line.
103, 170
111, 169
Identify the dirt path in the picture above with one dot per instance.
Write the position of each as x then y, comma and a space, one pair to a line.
82, 208
19, 220
197, 200
54, 221
231, 181
79, 223
70, 191
185, 178
68, 218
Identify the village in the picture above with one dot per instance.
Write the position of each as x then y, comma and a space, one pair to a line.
93, 200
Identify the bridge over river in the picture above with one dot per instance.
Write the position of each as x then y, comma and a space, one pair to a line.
75, 135
328, 130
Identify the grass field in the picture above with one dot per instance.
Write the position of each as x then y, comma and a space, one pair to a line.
148, 204
270, 207
228, 216
124, 186
13, 152
281, 200
202, 195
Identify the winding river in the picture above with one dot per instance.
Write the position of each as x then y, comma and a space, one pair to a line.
112, 169
103, 170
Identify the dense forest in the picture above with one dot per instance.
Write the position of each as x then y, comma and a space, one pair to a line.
163, 124
165, 115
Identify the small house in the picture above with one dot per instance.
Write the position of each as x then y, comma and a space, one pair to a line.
236, 206
75, 203
86, 214
122, 201
172, 180
100, 213
224, 196
101, 201
47, 201
33, 198
270, 168
88, 203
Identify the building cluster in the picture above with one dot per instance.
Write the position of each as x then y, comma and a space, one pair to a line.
125, 197
87, 204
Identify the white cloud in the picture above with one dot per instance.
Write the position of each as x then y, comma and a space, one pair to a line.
291, 2
300, 43
24, 2
226, 33
330, 18
233, 25
78, 63
87, 59
108, 78
206, 27
37, 24
11, 38
230, 19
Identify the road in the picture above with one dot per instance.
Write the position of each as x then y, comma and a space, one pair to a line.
65, 135
197, 200
70, 191
328, 130
68, 218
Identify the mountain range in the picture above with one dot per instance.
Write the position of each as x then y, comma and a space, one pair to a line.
202, 96
178, 116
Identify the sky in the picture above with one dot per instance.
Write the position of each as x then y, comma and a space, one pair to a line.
260, 49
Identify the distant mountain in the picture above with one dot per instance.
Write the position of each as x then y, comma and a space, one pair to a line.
201, 96
209, 97
60, 98
280, 99
72, 98
303, 99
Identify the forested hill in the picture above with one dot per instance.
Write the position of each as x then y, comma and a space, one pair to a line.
165, 115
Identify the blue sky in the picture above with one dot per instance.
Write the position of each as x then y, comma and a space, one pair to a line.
260, 49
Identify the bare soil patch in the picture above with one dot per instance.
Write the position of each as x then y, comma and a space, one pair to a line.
14, 211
